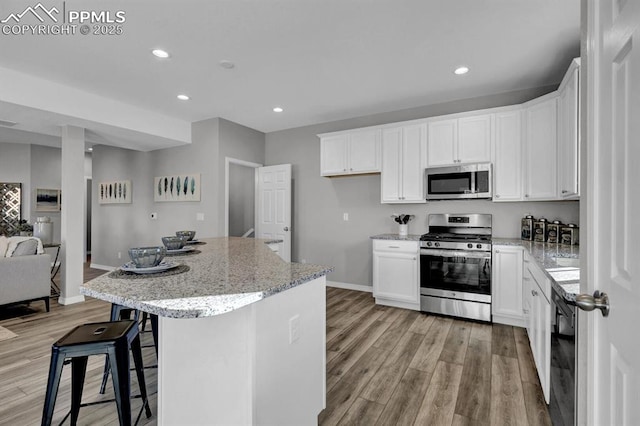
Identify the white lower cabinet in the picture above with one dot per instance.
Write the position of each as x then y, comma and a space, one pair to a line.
395, 273
539, 325
506, 286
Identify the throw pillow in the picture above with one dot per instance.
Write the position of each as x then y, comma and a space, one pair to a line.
26, 248
4, 245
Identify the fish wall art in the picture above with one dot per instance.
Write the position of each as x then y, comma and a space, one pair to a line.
118, 192
183, 187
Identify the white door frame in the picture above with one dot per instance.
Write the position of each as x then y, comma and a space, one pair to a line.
227, 163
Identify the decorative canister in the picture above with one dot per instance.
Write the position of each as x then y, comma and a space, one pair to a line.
526, 227
570, 234
43, 229
554, 229
403, 230
540, 230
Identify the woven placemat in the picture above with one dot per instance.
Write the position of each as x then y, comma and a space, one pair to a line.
184, 253
126, 275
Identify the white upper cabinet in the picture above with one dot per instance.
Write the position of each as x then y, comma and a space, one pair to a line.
402, 164
353, 152
541, 143
507, 156
459, 140
568, 131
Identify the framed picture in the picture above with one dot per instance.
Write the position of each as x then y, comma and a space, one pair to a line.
47, 200
184, 187
118, 192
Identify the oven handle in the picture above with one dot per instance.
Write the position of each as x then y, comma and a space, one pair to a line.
456, 253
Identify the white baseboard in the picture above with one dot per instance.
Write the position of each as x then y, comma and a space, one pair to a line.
103, 267
70, 300
348, 286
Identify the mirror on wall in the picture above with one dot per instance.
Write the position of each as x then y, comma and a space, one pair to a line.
10, 208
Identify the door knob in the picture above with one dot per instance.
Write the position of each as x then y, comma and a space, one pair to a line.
286, 229
586, 302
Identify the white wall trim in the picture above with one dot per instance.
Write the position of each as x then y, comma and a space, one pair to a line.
103, 267
227, 162
70, 300
348, 286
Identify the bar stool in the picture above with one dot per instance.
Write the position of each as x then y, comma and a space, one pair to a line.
118, 313
113, 339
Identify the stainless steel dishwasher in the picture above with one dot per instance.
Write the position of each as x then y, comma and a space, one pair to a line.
563, 362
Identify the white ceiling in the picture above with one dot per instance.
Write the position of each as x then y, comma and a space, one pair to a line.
320, 60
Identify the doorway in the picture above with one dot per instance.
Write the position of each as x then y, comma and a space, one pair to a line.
240, 195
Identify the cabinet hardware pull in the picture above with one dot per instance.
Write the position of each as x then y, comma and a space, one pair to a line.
394, 246
564, 191
534, 293
526, 195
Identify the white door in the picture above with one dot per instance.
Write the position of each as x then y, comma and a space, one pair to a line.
273, 219
610, 349
474, 139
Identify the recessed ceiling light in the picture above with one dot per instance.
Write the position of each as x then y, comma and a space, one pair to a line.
183, 97
159, 53
227, 64
461, 70
277, 109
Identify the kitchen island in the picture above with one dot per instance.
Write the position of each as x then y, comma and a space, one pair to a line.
241, 334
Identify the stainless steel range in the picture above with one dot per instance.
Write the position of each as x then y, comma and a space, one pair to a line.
455, 266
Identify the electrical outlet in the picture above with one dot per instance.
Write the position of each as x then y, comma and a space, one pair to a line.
345, 217
119, 255
294, 329
154, 216
200, 216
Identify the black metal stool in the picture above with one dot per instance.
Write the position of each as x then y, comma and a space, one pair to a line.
113, 339
118, 313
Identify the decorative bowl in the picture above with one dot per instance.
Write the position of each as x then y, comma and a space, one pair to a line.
174, 243
147, 257
188, 234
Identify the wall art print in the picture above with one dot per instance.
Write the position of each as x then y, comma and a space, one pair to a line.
118, 192
184, 187
10, 207
47, 200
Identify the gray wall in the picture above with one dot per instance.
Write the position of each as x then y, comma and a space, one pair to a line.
117, 227
241, 199
321, 236
46, 172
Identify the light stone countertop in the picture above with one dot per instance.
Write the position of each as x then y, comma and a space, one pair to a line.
561, 263
228, 274
396, 237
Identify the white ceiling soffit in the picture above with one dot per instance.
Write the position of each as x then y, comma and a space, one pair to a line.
320, 60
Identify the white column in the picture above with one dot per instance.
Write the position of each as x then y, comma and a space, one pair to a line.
73, 214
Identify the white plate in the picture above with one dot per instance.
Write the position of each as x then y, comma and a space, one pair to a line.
163, 266
182, 250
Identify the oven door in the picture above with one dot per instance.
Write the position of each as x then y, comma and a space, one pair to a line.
455, 270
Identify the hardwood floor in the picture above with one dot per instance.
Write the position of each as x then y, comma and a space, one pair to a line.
390, 366
385, 366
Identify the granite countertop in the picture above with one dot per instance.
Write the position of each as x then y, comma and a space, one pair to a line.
227, 274
410, 237
561, 263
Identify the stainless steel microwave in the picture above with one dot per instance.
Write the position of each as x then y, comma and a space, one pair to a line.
461, 181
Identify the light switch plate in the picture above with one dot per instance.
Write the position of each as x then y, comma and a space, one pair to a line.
200, 216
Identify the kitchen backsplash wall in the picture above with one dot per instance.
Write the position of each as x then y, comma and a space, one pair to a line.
320, 235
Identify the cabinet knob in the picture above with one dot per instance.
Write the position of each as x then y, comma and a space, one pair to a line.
497, 196
534, 293
497, 251
351, 169
526, 195
564, 191
344, 170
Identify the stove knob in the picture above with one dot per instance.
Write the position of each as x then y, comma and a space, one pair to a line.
428, 243
437, 244
469, 245
479, 246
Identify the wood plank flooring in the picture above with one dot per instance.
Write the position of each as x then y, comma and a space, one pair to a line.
385, 366
388, 366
